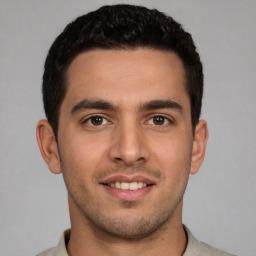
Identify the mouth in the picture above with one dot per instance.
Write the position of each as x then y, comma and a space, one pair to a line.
128, 185
128, 188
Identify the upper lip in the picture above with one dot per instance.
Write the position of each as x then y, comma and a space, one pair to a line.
129, 179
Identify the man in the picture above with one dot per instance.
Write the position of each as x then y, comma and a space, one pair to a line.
122, 91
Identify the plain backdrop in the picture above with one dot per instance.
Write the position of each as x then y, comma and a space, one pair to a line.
220, 201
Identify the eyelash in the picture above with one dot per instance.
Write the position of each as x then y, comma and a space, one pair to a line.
165, 119
88, 120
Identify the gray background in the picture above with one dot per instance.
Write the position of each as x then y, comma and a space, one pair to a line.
220, 205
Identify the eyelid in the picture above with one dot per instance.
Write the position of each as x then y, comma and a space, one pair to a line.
89, 117
166, 117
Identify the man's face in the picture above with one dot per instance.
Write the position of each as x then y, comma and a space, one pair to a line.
125, 139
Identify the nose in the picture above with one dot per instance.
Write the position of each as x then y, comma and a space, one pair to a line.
129, 146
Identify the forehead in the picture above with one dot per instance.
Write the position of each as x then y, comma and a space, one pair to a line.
125, 76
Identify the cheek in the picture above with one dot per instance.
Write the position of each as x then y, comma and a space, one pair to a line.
173, 151
77, 167
173, 157
82, 151
81, 158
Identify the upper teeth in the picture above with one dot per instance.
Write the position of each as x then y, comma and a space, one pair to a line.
128, 186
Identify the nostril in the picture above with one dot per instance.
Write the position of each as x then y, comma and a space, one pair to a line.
118, 159
129, 160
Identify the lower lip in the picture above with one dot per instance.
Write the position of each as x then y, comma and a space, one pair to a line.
129, 195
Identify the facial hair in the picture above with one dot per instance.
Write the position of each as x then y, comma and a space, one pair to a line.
129, 226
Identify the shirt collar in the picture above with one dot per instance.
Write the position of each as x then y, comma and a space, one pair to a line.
62, 251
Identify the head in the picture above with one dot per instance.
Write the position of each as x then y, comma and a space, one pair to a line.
119, 27
122, 92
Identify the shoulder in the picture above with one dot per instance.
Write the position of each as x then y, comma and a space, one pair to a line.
197, 248
49, 252
207, 250
60, 249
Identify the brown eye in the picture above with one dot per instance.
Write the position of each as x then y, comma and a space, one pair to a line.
159, 120
96, 120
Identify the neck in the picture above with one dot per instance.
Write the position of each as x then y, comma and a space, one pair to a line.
86, 239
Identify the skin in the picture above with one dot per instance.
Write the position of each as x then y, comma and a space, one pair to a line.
126, 113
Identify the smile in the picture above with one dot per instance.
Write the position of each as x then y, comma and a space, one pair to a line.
127, 185
128, 188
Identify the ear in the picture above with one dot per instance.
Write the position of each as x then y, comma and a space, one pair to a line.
199, 146
48, 146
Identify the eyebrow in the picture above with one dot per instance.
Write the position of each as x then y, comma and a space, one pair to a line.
105, 105
92, 104
159, 104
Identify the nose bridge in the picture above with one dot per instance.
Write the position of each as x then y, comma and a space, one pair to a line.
128, 143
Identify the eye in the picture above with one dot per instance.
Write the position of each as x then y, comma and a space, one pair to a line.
96, 121
159, 120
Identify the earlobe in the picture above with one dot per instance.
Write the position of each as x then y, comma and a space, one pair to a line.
199, 146
48, 146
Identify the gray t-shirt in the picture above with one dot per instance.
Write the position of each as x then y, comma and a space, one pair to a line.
194, 247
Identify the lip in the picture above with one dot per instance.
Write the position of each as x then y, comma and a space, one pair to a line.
123, 178
128, 195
